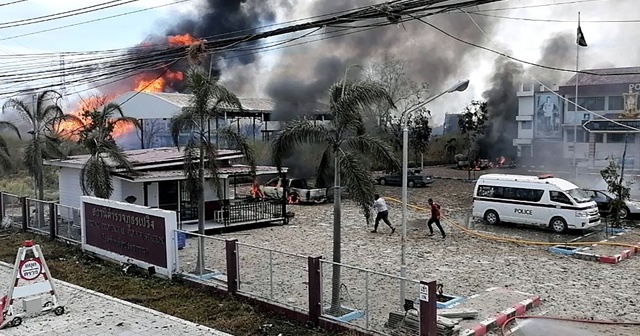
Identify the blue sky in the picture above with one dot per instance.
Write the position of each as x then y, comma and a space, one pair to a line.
607, 42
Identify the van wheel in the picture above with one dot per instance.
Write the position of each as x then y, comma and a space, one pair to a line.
491, 217
558, 225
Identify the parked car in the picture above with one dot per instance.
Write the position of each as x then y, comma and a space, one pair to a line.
415, 178
298, 189
604, 200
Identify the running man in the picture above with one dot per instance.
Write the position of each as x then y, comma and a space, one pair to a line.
383, 213
435, 218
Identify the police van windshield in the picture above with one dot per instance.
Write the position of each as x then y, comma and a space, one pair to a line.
579, 195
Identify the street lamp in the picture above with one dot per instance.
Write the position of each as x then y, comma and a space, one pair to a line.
457, 87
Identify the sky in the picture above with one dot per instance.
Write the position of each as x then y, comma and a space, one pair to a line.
609, 43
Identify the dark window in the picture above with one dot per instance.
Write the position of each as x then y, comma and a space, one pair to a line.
582, 136
599, 137
526, 125
300, 184
518, 194
619, 138
560, 197
273, 183
616, 103
589, 103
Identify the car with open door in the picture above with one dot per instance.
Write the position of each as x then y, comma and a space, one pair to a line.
604, 199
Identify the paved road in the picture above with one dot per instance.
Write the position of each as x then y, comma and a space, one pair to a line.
90, 313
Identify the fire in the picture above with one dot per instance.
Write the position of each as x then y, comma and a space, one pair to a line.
255, 191
146, 82
293, 198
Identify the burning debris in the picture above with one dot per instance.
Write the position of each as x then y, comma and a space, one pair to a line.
255, 191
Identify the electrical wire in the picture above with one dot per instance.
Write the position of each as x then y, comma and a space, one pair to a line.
12, 3
536, 6
549, 318
92, 21
548, 20
65, 14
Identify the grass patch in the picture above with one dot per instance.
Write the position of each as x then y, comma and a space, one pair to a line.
206, 307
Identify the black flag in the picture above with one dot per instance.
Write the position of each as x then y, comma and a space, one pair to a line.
580, 40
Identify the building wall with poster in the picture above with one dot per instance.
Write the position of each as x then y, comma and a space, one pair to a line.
543, 133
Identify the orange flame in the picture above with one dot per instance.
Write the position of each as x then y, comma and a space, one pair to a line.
146, 82
255, 191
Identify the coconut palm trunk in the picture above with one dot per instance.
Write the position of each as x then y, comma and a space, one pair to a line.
337, 239
200, 266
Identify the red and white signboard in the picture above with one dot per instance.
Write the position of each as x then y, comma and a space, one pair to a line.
30, 269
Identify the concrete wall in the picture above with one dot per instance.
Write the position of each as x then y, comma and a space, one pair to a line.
70, 191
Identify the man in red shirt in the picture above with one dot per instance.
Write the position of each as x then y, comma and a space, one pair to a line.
435, 218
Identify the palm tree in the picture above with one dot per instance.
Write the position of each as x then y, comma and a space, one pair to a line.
346, 144
5, 159
42, 117
96, 136
207, 99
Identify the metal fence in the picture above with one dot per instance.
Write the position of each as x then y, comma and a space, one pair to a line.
367, 299
11, 210
39, 215
247, 211
215, 257
273, 275
68, 224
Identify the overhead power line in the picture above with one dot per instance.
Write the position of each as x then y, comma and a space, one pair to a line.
65, 14
12, 3
550, 20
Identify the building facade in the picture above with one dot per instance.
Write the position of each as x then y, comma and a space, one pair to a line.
451, 126
547, 120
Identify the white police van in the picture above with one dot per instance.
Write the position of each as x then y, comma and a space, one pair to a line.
534, 200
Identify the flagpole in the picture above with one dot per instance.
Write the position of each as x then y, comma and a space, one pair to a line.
575, 115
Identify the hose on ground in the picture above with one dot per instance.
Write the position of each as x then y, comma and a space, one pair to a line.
506, 239
508, 321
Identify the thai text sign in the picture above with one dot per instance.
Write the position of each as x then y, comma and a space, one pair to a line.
129, 233
607, 126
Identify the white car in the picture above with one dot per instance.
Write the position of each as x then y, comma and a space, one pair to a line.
604, 199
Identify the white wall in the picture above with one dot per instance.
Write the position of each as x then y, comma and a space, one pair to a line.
152, 193
69, 189
130, 189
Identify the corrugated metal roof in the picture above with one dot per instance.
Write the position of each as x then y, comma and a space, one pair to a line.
616, 77
179, 174
249, 104
140, 157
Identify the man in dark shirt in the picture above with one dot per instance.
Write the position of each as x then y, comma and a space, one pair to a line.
435, 218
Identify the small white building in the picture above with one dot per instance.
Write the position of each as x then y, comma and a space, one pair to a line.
159, 183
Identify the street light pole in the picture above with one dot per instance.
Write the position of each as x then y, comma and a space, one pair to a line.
459, 86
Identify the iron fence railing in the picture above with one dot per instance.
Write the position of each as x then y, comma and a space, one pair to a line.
276, 276
12, 210
40, 216
367, 299
214, 256
247, 211
68, 224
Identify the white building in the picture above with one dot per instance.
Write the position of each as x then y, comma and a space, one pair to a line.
546, 122
159, 183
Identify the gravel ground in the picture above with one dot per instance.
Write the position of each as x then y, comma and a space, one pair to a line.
464, 264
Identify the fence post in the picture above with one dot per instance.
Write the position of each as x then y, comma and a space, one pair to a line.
1, 206
231, 247
25, 213
52, 221
315, 290
428, 308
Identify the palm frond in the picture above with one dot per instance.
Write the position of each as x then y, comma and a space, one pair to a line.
374, 148
357, 179
77, 122
7, 125
127, 120
111, 150
22, 108
182, 122
50, 117
5, 160
44, 100
96, 177
323, 173
346, 110
29, 158
297, 133
223, 98
239, 142
51, 148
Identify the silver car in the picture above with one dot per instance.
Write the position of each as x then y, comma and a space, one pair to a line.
604, 199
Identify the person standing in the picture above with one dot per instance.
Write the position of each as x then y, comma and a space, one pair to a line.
435, 218
383, 213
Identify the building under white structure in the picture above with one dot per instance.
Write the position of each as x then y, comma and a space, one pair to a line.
546, 122
154, 111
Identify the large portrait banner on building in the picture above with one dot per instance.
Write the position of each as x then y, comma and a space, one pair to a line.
129, 233
547, 116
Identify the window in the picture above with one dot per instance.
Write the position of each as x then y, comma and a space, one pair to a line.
560, 197
579, 195
518, 194
526, 125
582, 136
616, 103
273, 182
619, 138
599, 137
589, 103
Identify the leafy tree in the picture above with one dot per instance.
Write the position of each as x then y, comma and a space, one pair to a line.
613, 175
472, 124
5, 157
42, 115
419, 133
346, 144
208, 98
97, 137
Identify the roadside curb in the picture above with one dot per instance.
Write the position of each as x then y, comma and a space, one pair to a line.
583, 254
499, 319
